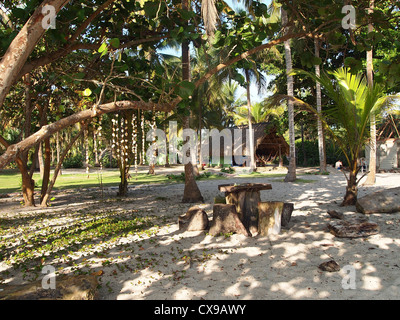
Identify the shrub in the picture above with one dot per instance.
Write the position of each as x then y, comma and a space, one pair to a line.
73, 161
228, 170
106, 162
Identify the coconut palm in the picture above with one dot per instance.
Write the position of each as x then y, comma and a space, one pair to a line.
354, 103
372, 154
260, 112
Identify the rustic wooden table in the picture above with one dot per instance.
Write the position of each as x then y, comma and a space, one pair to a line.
245, 197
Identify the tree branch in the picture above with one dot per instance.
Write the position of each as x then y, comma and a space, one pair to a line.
46, 131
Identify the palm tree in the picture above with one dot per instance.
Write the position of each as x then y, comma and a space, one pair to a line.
291, 175
260, 112
372, 154
354, 103
191, 192
321, 139
276, 12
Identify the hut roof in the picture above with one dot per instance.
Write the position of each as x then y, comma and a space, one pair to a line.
266, 139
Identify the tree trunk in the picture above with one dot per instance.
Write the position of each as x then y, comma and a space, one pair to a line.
28, 114
251, 132
22, 46
152, 163
46, 167
58, 149
321, 140
191, 192
40, 160
199, 135
303, 148
350, 197
57, 170
95, 149
291, 175
86, 142
371, 177
28, 185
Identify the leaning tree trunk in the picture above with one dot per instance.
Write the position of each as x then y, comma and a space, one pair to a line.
57, 170
22, 45
291, 175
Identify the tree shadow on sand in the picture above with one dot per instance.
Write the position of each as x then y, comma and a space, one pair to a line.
170, 264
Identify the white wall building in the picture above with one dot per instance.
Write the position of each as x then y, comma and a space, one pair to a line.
387, 154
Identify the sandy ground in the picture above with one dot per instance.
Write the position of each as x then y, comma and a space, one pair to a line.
193, 265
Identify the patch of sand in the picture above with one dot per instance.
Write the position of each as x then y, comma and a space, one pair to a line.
194, 265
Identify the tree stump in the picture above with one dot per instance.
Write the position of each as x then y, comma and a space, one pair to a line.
245, 197
286, 214
195, 219
246, 208
226, 220
273, 215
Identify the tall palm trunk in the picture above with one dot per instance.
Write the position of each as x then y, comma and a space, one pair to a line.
191, 192
372, 151
251, 132
291, 175
321, 140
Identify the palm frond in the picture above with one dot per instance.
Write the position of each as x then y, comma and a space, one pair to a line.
354, 102
210, 16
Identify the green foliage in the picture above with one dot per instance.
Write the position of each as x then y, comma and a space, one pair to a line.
73, 161
228, 170
309, 156
181, 177
106, 162
354, 102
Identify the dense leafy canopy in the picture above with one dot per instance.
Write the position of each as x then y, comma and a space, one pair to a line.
103, 51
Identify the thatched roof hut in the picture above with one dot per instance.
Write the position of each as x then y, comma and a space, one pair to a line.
268, 143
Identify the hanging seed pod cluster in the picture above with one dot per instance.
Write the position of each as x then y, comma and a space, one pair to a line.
124, 145
134, 140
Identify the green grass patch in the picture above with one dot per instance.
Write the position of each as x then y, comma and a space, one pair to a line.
261, 175
11, 181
